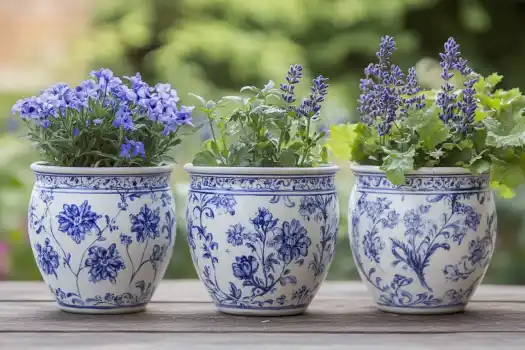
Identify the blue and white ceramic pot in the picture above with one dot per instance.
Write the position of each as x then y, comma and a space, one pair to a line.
262, 239
424, 247
102, 237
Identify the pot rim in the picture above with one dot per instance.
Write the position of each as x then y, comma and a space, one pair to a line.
373, 169
43, 168
212, 170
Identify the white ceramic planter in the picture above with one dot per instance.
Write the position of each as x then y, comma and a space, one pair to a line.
102, 237
423, 247
262, 239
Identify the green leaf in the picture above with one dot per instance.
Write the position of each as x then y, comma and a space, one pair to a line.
288, 158
250, 88
432, 132
494, 79
492, 103
344, 138
502, 190
437, 154
515, 138
480, 166
235, 99
324, 155
397, 164
506, 176
205, 158
201, 99
480, 114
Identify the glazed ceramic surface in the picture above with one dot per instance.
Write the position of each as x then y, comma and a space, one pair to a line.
102, 238
262, 239
425, 246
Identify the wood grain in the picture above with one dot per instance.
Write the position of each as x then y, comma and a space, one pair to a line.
112, 341
194, 291
181, 314
323, 317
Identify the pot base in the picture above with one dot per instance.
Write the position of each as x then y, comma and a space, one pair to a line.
423, 311
102, 311
261, 312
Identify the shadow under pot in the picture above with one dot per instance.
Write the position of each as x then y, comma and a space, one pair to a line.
262, 239
102, 237
423, 247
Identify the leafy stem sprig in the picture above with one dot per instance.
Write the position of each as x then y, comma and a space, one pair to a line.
266, 128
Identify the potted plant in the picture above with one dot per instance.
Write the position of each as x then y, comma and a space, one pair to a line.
101, 217
423, 218
262, 208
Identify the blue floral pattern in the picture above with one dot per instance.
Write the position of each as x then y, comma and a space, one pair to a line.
77, 221
396, 237
267, 260
47, 258
104, 264
122, 231
145, 224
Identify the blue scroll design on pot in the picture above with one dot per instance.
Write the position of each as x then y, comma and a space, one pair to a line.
272, 246
423, 237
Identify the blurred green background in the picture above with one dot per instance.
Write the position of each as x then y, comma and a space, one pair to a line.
213, 47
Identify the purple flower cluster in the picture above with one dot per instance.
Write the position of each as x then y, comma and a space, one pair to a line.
383, 90
125, 104
131, 149
460, 113
311, 106
295, 73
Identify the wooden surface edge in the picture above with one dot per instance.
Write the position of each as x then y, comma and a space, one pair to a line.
194, 291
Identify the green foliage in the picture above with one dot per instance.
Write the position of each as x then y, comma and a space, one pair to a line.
262, 131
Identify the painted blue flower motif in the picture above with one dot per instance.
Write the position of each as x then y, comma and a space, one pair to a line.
472, 218
392, 219
77, 221
308, 206
104, 263
235, 234
264, 220
125, 239
413, 223
47, 258
314, 206
374, 209
224, 203
291, 241
245, 267
477, 249
157, 254
303, 295
46, 196
146, 223
373, 245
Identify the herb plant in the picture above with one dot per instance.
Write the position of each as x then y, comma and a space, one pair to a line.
104, 122
267, 129
467, 122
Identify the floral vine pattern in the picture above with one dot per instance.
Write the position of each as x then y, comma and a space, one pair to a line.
113, 237
396, 237
260, 258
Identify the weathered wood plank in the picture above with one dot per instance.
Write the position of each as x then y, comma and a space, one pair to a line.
112, 341
193, 291
327, 316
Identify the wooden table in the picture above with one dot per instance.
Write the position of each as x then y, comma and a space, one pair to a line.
181, 316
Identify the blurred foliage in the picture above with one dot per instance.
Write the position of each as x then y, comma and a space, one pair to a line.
213, 47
